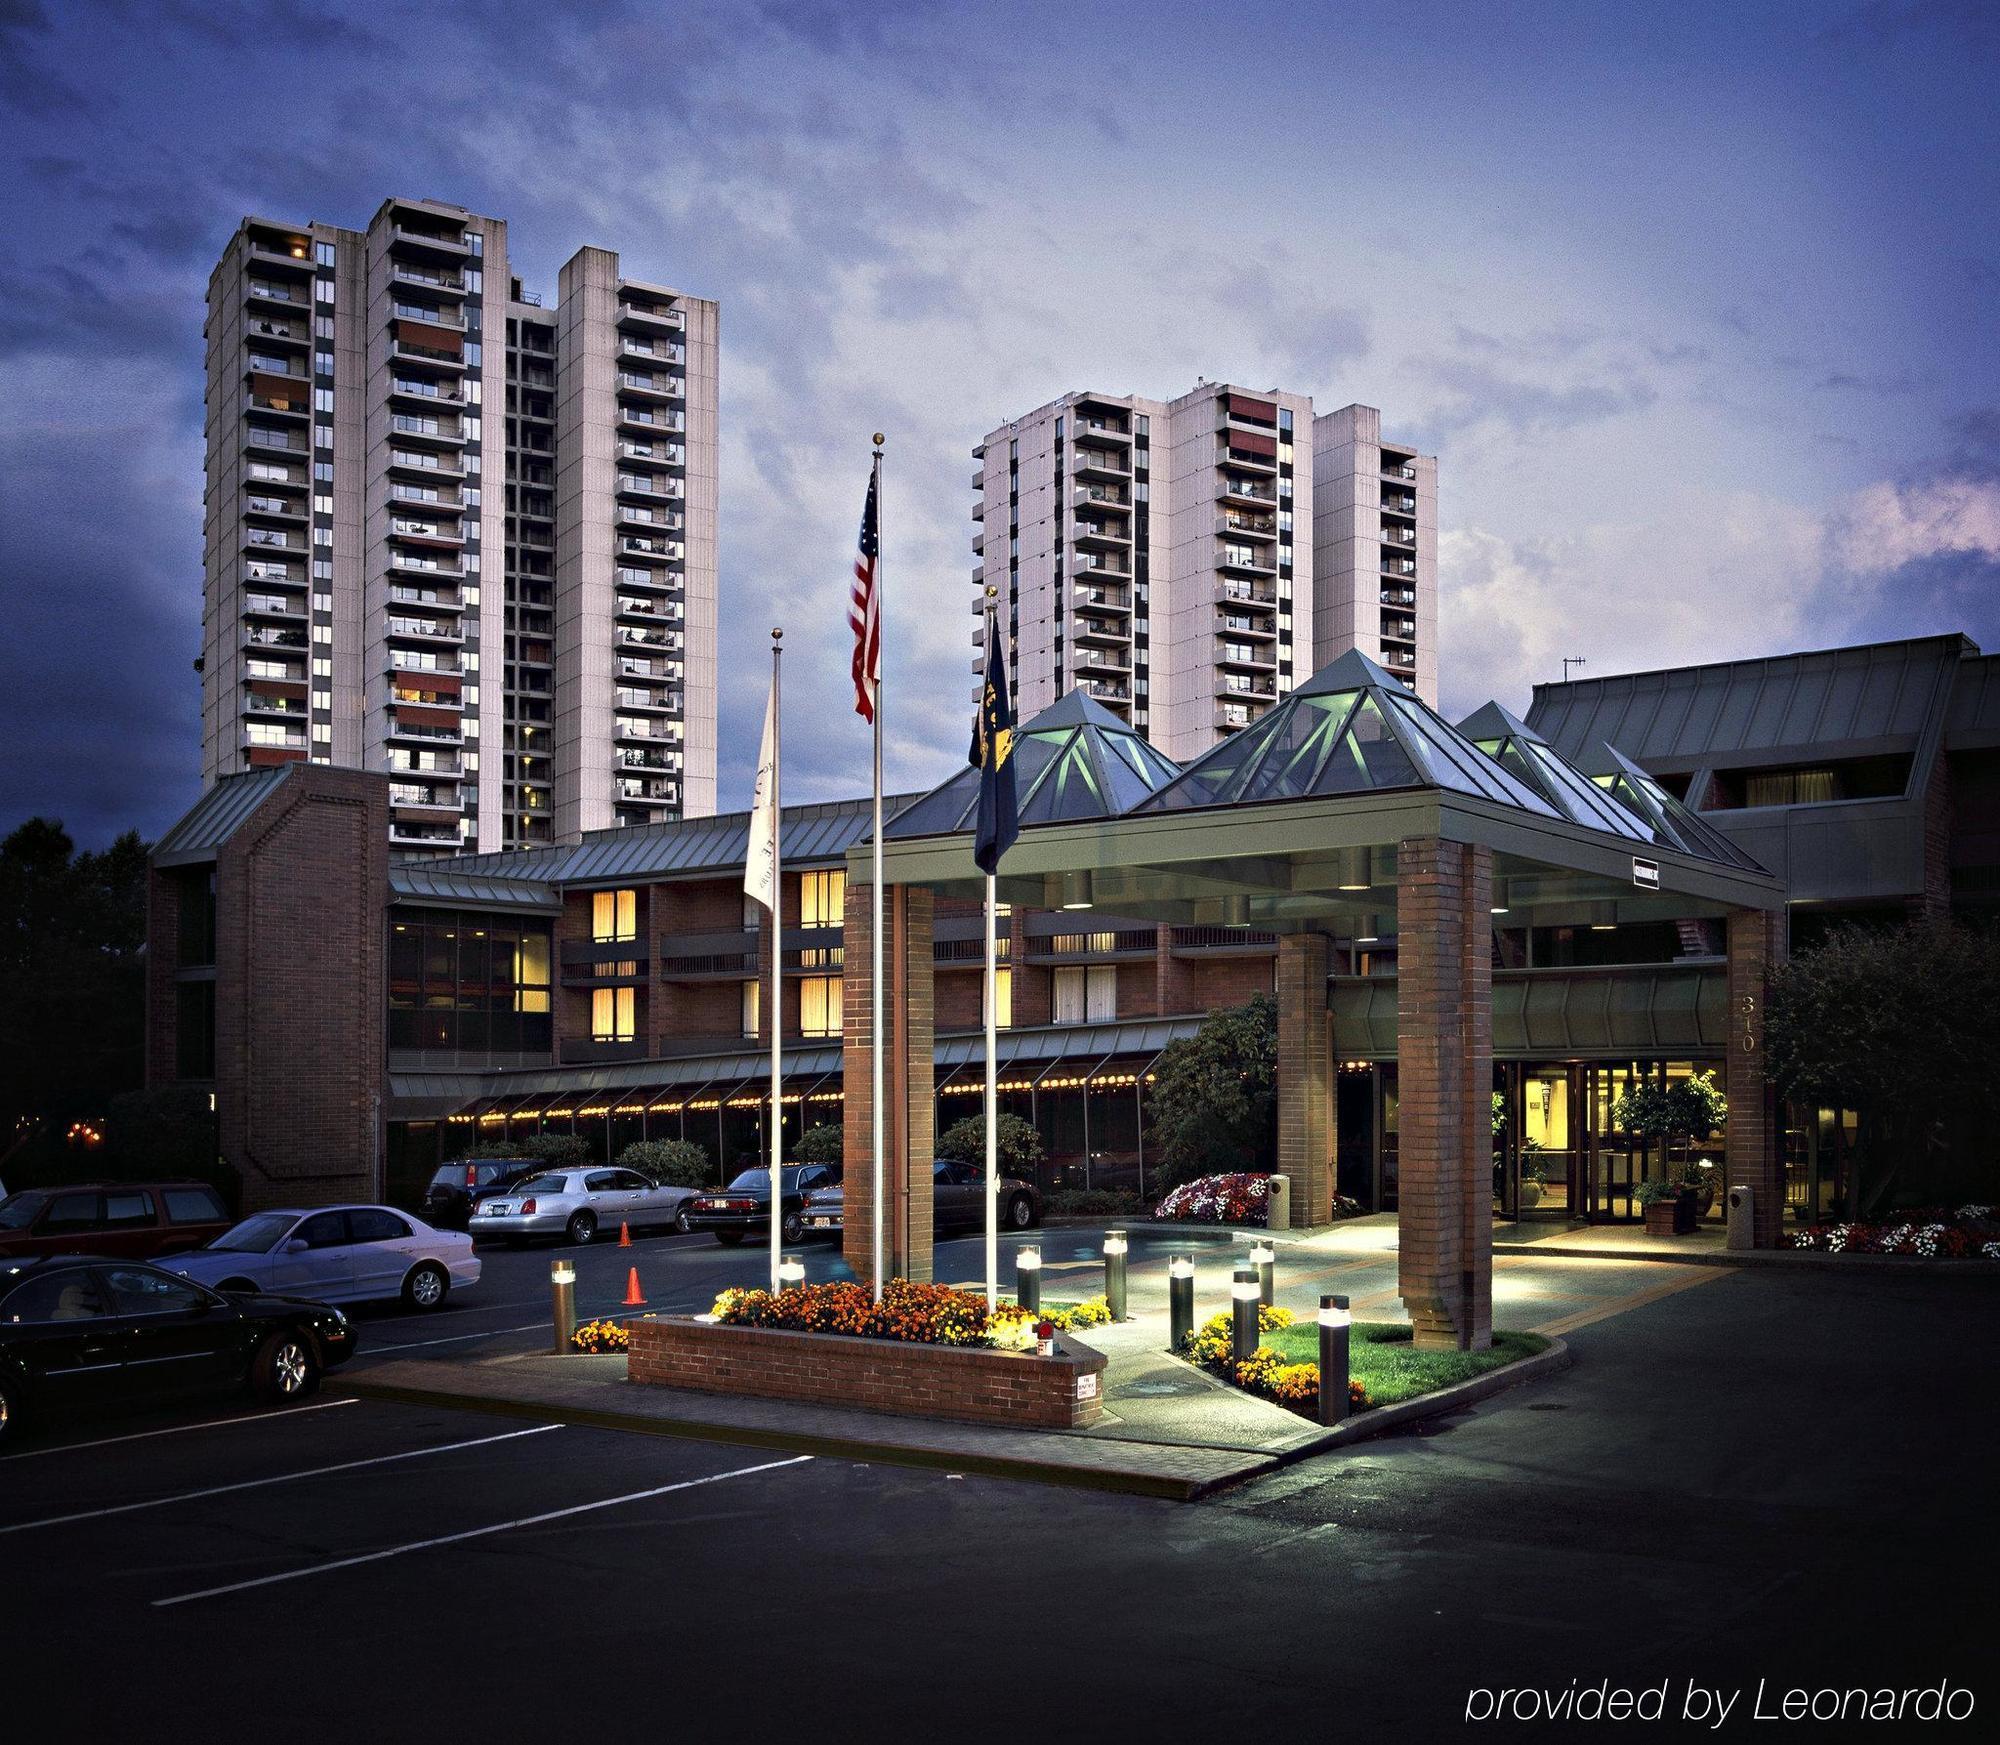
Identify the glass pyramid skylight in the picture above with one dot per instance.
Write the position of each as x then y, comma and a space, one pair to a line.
1352, 728
1075, 760
1672, 823
1524, 753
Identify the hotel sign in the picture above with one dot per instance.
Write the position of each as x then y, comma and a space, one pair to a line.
1646, 874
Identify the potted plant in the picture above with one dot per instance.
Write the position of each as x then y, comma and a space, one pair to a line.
1690, 1108
1534, 1177
1661, 1202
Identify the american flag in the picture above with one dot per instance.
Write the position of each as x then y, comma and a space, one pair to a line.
864, 613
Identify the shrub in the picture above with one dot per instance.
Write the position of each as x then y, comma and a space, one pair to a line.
1219, 1199
1092, 1203
1264, 1372
825, 1143
557, 1150
1020, 1146
1215, 1098
601, 1336
673, 1163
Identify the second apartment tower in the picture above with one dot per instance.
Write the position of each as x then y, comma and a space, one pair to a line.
457, 535
1186, 562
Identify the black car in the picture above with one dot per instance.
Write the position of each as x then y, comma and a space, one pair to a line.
744, 1207
81, 1332
958, 1202
448, 1200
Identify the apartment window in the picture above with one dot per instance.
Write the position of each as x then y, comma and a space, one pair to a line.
323, 289
1003, 998
614, 915
323, 253
1086, 996
822, 898
323, 362
752, 1007
323, 732
322, 472
613, 1014
819, 1006
322, 327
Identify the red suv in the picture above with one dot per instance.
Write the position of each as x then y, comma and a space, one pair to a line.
128, 1220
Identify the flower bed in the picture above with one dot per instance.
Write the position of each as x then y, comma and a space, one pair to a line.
1239, 1198
911, 1313
1264, 1372
1931, 1233
600, 1336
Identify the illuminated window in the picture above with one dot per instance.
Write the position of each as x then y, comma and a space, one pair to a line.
1085, 996
613, 1014
819, 1006
752, 1007
614, 915
822, 898
1003, 998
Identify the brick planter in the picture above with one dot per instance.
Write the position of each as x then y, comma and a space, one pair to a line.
1660, 1218
969, 1385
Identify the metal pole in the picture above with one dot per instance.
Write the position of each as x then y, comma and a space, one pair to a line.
1180, 1300
1114, 1272
777, 1001
1265, 1259
875, 933
1335, 1322
1028, 1278
562, 1288
1243, 1313
992, 1091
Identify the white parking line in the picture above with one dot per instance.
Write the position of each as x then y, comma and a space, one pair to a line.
178, 1430
251, 1484
457, 1338
686, 1484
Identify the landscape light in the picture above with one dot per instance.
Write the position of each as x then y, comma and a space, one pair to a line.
1180, 1300
1114, 1273
562, 1294
1244, 1296
1265, 1259
1335, 1322
1028, 1279
791, 1271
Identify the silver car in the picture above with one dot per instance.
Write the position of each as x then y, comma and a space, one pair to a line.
577, 1203
335, 1254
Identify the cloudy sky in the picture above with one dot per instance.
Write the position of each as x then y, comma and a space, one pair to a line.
1695, 303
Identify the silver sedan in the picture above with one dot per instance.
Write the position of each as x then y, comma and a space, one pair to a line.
577, 1204
337, 1254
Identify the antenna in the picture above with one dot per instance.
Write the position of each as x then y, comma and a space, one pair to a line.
1570, 660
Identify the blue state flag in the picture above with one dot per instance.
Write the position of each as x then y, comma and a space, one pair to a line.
992, 755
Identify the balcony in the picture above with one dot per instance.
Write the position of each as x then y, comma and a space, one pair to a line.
408, 663
264, 438
659, 351
421, 732
1247, 657
979, 481
653, 386
1105, 691
438, 839
670, 641
417, 427
644, 317
644, 486
259, 637
1101, 497
1102, 597
1398, 505
268, 541
1399, 629
1093, 630
286, 608
631, 606
410, 564
441, 535
424, 393
1105, 664
425, 629
592, 961
403, 273
1097, 563
1398, 566
665, 550
429, 357
1264, 629
1248, 491
429, 242
403, 763
1246, 596
662, 702
812, 950
1395, 535
269, 739
1395, 469
1234, 524
1399, 596
1101, 463
1247, 559
275, 508
704, 957
645, 418
1100, 533
266, 703
1245, 460
634, 791
1246, 689
263, 291
1060, 939
1102, 430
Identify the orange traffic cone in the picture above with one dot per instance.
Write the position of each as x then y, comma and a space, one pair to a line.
624, 1234
634, 1297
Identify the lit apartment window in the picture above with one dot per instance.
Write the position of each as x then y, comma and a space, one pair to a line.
1086, 996
613, 1014
752, 1007
822, 898
614, 915
819, 1006
1003, 998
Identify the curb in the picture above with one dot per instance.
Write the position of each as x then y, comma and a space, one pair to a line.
1797, 1257
1140, 1484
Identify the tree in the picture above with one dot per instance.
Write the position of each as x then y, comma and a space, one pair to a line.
1019, 1146
1690, 1108
673, 1163
1903, 1028
557, 1150
826, 1143
1215, 1095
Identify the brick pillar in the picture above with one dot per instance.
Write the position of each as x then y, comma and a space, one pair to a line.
1444, 1031
1751, 1153
909, 1082
1305, 1076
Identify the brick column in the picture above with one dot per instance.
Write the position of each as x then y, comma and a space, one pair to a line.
1751, 1153
909, 1082
1444, 1030
1305, 1076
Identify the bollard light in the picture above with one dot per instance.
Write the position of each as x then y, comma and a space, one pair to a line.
791, 1271
1265, 1259
1180, 1300
562, 1293
1335, 1322
1114, 1273
1028, 1279
1243, 1300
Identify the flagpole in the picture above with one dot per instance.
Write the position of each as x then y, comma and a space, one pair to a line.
777, 1001
992, 1003
875, 1048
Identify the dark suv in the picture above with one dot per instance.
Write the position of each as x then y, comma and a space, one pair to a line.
127, 1220
448, 1200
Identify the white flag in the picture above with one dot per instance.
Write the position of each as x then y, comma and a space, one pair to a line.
759, 884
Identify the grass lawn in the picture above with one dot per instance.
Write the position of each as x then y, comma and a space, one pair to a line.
1382, 1359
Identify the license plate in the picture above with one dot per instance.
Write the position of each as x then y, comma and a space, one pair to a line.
822, 1222
491, 1211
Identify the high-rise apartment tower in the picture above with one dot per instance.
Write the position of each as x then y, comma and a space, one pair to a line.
457, 535
1186, 562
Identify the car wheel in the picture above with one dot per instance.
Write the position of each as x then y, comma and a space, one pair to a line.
426, 1287
792, 1227
285, 1368
582, 1226
729, 1238
683, 1223
1020, 1213
10, 1411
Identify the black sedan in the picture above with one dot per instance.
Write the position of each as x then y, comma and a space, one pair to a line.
958, 1202
78, 1332
744, 1207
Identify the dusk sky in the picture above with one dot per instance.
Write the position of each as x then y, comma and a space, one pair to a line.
1696, 304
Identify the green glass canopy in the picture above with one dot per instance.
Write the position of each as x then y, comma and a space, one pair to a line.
1672, 823
1522, 752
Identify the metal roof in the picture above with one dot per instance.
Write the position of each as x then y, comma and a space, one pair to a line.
442, 882
1061, 1041
1973, 722
1074, 760
217, 816
1841, 702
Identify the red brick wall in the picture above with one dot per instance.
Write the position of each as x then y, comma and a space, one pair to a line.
301, 893
1305, 1076
1751, 1154
966, 1385
1212, 984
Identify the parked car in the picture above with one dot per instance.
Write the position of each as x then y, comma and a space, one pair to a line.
958, 1202
335, 1254
457, 1187
134, 1220
80, 1333
744, 1206
577, 1204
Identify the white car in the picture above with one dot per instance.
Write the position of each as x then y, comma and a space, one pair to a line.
334, 1254
577, 1204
